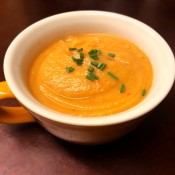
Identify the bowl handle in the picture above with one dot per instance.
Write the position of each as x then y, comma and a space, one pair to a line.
12, 115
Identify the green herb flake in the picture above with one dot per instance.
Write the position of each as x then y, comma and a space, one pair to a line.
89, 77
101, 66
113, 76
72, 48
98, 52
91, 69
144, 92
94, 53
111, 54
79, 61
82, 55
69, 69
122, 88
92, 77
80, 49
94, 63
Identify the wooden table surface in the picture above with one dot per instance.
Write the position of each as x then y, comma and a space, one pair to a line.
30, 150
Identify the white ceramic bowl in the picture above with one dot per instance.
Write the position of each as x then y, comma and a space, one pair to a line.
33, 39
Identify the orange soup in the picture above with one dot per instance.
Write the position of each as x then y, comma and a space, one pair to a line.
91, 75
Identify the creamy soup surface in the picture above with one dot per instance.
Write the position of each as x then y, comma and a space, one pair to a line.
91, 75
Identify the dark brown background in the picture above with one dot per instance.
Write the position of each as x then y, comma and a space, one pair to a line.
149, 150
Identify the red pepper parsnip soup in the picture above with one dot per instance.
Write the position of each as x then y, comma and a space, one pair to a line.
91, 75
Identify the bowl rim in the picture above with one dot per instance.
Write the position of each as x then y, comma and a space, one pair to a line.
50, 114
